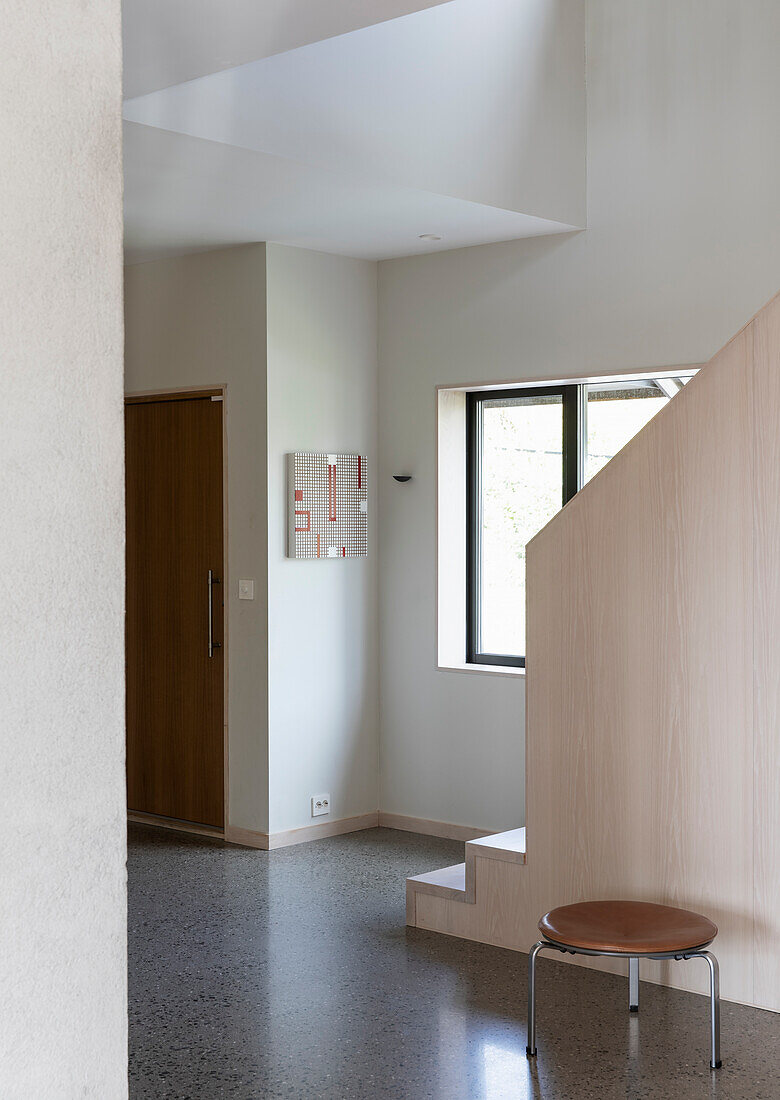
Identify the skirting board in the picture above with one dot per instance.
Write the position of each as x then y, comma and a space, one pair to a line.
269, 841
249, 838
431, 828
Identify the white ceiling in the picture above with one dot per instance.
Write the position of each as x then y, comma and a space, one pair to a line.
183, 194
166, 42
465, 120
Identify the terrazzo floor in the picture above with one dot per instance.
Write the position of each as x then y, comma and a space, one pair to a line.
257, 975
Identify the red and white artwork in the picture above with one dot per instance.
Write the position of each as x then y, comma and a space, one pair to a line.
328, 506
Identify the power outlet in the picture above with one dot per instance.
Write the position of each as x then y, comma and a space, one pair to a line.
320, 804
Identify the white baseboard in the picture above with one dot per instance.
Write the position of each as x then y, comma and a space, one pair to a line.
431, 828
269, 841
249, 838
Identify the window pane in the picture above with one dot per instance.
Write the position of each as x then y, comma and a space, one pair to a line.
521, 489
615, 413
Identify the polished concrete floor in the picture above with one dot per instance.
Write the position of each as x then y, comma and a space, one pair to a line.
257, 975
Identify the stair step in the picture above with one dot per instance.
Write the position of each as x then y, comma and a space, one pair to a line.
458, 883
508, 846
447, 882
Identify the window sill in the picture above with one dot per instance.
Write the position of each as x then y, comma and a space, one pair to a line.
486, 670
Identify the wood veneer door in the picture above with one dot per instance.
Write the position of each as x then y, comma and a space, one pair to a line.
175, 741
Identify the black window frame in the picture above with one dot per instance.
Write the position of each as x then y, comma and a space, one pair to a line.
571, 469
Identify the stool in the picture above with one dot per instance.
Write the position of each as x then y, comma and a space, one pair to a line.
627, 929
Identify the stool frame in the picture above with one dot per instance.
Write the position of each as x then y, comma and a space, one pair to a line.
699, 952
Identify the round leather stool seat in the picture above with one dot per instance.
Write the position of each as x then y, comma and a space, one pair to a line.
627, 927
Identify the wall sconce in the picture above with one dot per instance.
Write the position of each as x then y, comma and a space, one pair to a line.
402, 477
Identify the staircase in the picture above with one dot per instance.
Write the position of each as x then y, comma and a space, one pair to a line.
459, 882
653, 690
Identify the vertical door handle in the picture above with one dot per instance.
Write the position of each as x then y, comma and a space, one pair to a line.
212, 580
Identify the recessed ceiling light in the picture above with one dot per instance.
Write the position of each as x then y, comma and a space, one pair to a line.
429, 237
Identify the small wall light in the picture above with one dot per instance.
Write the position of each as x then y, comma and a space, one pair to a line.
402, 477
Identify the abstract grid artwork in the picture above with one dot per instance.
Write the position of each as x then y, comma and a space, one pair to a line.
328, 506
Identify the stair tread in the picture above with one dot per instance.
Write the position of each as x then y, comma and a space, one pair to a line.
450, 882
508, 846
445, 878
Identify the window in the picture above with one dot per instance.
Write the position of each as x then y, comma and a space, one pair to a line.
616, 411
528, 451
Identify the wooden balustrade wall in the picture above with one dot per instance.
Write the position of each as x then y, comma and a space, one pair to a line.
653, 684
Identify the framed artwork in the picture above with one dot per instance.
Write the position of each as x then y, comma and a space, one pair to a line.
328, 505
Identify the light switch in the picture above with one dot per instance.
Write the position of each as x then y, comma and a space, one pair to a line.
246, 590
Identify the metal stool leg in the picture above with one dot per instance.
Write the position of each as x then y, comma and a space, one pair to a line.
715, 1062
530, 1049
633, 985
712, 963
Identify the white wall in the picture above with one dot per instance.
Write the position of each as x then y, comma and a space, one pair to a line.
682, 248
293, 333
63, 1031
198, 321
322, 615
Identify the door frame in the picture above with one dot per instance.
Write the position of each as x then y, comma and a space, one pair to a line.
184, 393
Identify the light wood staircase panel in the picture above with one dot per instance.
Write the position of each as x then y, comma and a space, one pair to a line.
653, 688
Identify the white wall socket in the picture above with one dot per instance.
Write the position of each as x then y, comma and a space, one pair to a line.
320, 804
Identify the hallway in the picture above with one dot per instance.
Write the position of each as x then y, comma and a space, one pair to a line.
259, 976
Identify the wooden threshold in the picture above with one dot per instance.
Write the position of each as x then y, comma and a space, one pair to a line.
174, 824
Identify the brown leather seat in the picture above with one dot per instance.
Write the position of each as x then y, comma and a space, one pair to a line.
627, 927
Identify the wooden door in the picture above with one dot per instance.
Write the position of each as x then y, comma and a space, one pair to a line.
175, 721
